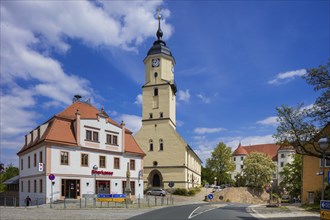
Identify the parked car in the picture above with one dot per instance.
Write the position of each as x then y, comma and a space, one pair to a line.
156, 192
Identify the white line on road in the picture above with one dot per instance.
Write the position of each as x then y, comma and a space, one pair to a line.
192, 214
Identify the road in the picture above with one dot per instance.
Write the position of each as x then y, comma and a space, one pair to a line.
220, 211
200, 211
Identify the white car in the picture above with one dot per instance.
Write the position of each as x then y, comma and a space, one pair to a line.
156, 192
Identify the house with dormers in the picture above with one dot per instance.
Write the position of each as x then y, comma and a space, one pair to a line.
79, 151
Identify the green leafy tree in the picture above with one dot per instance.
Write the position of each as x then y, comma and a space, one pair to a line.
9, 172
207, 176
220, 164
298, 125
258, 170
291, 176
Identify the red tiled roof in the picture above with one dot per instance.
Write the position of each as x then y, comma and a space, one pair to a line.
268, 149
60, 129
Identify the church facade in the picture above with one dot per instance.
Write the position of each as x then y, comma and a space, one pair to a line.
168, 156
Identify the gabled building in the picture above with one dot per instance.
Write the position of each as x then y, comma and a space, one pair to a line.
280, 155
168, 156
312, 176
84, 151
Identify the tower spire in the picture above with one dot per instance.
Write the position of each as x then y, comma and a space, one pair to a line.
159, 33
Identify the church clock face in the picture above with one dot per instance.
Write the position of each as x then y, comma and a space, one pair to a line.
155, 62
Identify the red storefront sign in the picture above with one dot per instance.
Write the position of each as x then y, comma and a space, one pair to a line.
102, 172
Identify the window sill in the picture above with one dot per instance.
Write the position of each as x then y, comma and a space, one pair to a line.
92, 141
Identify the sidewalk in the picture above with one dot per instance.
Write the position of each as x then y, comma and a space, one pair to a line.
263, 212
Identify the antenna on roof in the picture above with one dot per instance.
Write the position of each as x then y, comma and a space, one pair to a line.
76, 98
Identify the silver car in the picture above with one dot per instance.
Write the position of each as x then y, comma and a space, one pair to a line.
156, 192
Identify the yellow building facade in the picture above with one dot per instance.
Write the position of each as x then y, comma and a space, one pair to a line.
168, 156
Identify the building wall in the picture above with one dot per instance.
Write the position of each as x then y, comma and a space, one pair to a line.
284, 157
310, 181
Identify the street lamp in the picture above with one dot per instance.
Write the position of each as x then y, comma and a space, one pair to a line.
95, 168
324, 144
271, 191
215, 181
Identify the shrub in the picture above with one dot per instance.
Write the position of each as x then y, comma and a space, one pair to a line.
191, 192
180, 191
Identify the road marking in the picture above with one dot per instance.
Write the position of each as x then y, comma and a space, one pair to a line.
193, 214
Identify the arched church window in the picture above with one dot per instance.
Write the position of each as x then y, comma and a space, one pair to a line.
161, 144
151, 145
155, 91
155, 74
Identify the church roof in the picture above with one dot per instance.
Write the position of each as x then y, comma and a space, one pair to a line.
159, 45
268, 149
60, 129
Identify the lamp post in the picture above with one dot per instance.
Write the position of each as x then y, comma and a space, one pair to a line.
324, 144
215, 181
271, 191
95, 168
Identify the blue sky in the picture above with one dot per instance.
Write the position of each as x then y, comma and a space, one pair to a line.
236, 61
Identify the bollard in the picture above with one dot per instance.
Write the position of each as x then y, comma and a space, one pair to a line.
126, 203
85, 202
50, 204
108, 204
139, 201
155, 201
64, 204
80, 202
101, 204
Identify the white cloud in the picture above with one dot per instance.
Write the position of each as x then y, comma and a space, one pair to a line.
184, 95
269, 121
138, 99
32, 32
204, 98
179, 123
286, 77
133, 122
208, 130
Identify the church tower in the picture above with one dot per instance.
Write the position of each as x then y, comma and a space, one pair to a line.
168, 157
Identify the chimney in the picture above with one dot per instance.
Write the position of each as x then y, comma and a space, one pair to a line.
78, 127
123, 135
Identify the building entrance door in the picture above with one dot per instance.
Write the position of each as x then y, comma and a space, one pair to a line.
156, 180
70, 188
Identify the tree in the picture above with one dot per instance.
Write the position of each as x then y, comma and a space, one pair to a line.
220, 164
291, 176
302, 127
258, 170
9, 172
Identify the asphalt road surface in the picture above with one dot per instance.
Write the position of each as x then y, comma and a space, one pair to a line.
200, 211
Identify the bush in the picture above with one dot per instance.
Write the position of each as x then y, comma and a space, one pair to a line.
180, 191
191, 192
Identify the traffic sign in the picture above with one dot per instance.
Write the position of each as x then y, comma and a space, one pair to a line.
324, 214
51, 177
171, 184
210, 196
325, 205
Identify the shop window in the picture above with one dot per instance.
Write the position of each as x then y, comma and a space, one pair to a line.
64, 158
116, 164
132, 164
102, 162
84, 160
